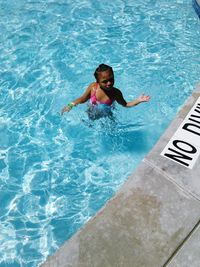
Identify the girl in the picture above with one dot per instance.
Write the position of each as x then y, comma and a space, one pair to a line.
102, 94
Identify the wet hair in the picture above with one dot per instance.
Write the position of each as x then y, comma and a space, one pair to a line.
101, 68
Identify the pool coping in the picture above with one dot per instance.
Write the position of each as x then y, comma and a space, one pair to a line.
151, 219
196, 6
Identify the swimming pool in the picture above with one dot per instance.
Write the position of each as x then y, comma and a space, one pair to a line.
56, 172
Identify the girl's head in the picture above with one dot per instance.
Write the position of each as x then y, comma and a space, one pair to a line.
104, 76
101, 68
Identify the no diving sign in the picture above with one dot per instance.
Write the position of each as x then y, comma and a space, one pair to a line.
184, 146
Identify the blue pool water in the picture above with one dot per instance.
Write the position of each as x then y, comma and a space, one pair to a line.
56, 172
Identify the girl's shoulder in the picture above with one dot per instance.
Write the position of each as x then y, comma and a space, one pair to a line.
93, 86
117, 91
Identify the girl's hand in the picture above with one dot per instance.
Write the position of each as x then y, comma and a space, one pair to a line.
67, 108
144, 98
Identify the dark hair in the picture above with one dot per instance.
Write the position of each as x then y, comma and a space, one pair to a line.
101, 68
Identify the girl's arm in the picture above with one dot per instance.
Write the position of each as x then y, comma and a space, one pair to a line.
120, 99
79, 100
140, 99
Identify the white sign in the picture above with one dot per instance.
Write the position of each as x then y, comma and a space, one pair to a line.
184, 146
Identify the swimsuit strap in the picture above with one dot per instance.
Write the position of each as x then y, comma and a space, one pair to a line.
93, 98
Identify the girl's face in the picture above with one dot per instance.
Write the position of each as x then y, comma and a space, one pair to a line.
106, 79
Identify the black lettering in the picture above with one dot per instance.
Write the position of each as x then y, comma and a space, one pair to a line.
194, 120
188, 127
179, 156
195, 116
196, 109
191, 150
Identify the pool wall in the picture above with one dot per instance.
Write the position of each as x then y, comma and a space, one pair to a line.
153, 220
196, 5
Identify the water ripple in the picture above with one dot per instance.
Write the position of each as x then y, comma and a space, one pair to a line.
57, 172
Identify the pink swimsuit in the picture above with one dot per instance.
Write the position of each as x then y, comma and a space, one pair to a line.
94, 101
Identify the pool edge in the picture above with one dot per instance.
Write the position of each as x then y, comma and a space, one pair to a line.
196, 6
149, 220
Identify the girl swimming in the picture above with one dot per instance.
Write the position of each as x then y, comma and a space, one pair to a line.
102, 94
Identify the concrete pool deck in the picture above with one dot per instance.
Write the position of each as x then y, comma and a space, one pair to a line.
153, 220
